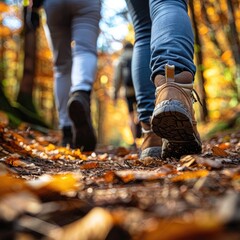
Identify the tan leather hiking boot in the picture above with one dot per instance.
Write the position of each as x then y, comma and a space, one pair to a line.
173, 118
151, 146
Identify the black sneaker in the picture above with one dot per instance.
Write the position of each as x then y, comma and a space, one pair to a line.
80, 114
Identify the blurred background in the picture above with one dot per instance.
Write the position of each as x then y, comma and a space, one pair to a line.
26, 65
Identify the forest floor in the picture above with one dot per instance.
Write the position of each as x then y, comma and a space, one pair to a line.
51, 192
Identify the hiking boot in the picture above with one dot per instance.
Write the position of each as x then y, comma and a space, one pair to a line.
67, 136
173, 117
80, 114
151, 146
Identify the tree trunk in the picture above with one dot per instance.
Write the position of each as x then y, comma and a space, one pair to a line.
234, 44
25, 95
199, 63
25, 98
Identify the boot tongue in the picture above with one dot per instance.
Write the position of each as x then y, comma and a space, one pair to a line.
170, 73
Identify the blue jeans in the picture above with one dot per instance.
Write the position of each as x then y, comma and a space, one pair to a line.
163, 35
73, 28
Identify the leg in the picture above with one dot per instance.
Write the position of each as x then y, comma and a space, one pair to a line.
172, 37
85, 29
172, 47
60, 39
131, 100
144, 88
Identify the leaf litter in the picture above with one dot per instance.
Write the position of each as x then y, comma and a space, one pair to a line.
52, 192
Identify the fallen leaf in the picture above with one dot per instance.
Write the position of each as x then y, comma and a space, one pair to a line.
132, 175
109, 176
188, 160
209, 163
217, 151
10, 184
190, 175
4, 118
225, 145
94, 226
58, 183
15, 204
122, 151
89, 165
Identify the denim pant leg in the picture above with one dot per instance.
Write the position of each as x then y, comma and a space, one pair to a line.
85, 31
172, 38
74, 67
144, 88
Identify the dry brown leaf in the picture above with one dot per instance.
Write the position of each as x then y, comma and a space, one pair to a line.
122, 151
15, 204
3, 118
217, 151
94, 226
174, 229
209, 163
132, 175
89, 165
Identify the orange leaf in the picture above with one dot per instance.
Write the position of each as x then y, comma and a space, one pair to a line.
15, 161
224, 146
109, 176
142, 175
3, 7
217, 151
89, 165
10, 184
190, 175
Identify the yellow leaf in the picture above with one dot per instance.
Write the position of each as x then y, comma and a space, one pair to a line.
190, 175
57, 183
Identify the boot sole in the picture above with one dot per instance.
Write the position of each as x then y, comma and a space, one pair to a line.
83, 134
172, 122
154, 152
